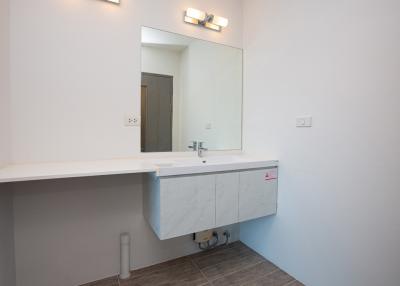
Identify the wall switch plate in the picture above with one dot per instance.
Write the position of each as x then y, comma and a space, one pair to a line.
132, 120
304, 121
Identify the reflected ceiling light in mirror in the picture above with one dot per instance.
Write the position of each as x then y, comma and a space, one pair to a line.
210, 21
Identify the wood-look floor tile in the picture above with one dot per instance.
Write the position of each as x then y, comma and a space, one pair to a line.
221, 256
221, 248
161, 266
276, 278
185, 274
295, 283
247, 274
112, 281
234, 264
231, 265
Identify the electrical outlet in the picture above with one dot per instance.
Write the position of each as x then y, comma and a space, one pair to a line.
132, 120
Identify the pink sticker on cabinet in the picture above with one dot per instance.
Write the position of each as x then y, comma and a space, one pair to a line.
271, 174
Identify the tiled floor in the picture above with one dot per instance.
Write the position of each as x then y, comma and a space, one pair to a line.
232, 265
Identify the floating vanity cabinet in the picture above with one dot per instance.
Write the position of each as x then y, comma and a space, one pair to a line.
175, 206
184, 204
257, 193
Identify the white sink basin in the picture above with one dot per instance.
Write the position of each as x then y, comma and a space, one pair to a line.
209, 164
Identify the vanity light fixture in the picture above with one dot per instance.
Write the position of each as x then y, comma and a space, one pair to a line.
210, 21
212, 26
114, 1
191, 20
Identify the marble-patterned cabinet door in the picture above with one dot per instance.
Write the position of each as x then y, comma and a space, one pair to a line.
257, 193
187, 205
227, 198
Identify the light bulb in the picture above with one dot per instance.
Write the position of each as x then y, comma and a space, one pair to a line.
196, 14
220, 21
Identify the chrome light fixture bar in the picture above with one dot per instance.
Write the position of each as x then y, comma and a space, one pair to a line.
114, 1
210, 21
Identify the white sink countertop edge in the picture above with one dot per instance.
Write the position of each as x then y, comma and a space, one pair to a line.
164, 171
162, 166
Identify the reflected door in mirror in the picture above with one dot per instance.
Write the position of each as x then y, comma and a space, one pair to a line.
156, 107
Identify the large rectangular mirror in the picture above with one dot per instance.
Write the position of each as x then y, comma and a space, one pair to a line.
191, 90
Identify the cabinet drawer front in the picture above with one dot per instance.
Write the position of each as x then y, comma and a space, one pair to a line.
257, 193
227, 198
187, 205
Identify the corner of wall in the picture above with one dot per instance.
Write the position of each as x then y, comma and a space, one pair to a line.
7, 257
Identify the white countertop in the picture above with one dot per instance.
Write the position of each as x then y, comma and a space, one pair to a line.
163, 166
45, 171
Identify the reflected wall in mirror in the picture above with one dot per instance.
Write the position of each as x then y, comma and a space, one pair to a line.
191, 90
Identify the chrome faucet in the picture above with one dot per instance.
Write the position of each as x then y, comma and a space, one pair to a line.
193, 146
201, 149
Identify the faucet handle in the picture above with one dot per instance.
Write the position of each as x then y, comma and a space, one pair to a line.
193, 146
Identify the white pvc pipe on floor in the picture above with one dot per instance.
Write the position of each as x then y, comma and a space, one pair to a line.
125, 256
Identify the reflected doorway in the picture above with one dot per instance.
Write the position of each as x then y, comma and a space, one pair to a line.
156, 112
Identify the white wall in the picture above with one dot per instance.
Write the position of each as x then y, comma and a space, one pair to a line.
339, 61
76, 71
166, 62
67, 231
5, 133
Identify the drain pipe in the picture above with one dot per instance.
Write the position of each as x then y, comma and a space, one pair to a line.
125, 256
